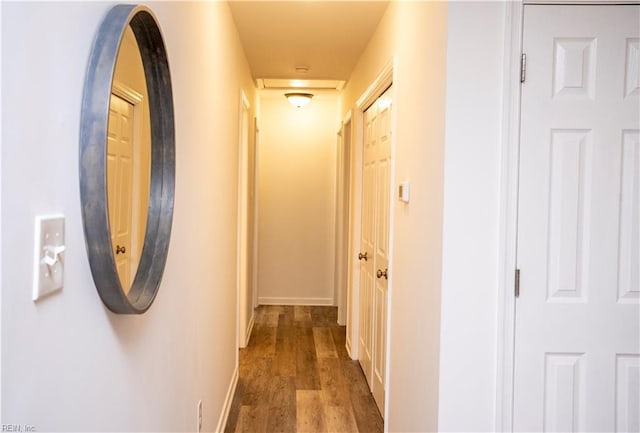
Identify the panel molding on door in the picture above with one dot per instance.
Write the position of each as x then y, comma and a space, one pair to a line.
577, 339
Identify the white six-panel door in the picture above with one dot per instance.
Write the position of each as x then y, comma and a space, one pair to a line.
577, 362
383, 207
374, 255
367, 243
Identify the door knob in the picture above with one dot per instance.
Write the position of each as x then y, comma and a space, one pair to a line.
362, 256
382, 273
120, 249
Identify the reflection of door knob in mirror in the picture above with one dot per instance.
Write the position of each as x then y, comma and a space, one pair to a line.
362, 256
382, 273
120, 249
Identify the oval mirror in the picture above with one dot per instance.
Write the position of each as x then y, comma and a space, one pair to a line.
127, 159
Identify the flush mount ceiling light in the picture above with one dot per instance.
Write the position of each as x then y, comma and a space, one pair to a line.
299, 99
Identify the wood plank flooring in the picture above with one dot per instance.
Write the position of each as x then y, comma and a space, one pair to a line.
296, 376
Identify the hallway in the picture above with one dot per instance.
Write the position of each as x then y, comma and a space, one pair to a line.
256, 191
296, 376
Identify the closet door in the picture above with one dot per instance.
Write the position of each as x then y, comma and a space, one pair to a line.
367, 242
577, 344
382, 211
374, 257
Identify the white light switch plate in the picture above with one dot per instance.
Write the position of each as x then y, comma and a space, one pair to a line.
48, 265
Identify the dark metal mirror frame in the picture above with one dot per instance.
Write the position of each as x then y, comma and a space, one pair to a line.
93, 158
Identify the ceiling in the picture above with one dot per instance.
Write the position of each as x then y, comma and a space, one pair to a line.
327, 37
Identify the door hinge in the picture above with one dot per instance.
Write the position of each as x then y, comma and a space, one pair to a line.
517, 283
523, 67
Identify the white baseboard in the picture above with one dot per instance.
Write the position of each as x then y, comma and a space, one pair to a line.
224, 415
295, 301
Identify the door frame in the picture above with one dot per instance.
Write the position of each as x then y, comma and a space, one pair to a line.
505, 356
356, 116
244, 327
353, 234
342, 218
383, 80
508, 215
254, 191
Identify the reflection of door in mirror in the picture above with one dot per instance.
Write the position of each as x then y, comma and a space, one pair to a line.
120, 183
128, 160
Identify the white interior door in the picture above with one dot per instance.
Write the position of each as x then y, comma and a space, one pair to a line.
120, 184
374, 257
383, 207
577, 362
367, 242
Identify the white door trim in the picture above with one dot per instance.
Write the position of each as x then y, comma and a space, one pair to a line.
508, 216
243, 327
353, 234
375, 89
382, 81
337, 209
254, 186
341, 220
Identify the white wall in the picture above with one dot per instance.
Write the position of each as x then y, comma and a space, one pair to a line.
67, 363
472, 168
414, 33
296, 205
442, 371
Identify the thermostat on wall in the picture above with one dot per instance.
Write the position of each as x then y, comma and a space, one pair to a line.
403, 192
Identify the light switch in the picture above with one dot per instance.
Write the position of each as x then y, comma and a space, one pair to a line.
48, 266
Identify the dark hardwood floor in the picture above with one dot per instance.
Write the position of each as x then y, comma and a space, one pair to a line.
296, 376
